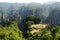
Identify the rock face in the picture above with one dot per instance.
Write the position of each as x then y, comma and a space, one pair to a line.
49, 13
54, 18
37, 28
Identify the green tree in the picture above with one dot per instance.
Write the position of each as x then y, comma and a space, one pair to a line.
56, 33
11, 32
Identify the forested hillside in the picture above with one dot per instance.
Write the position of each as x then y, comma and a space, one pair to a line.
17, 19
21, 10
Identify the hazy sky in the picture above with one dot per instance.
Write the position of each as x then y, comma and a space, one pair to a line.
29, 1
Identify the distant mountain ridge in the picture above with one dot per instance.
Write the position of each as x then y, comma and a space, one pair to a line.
46, 12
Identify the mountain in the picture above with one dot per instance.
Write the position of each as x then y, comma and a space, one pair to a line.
49, 13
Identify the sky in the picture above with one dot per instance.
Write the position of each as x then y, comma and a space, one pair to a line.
29, 1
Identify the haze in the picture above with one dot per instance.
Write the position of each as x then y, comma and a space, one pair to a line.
29, 1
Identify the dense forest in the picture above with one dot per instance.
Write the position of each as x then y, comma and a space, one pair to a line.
16, 20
